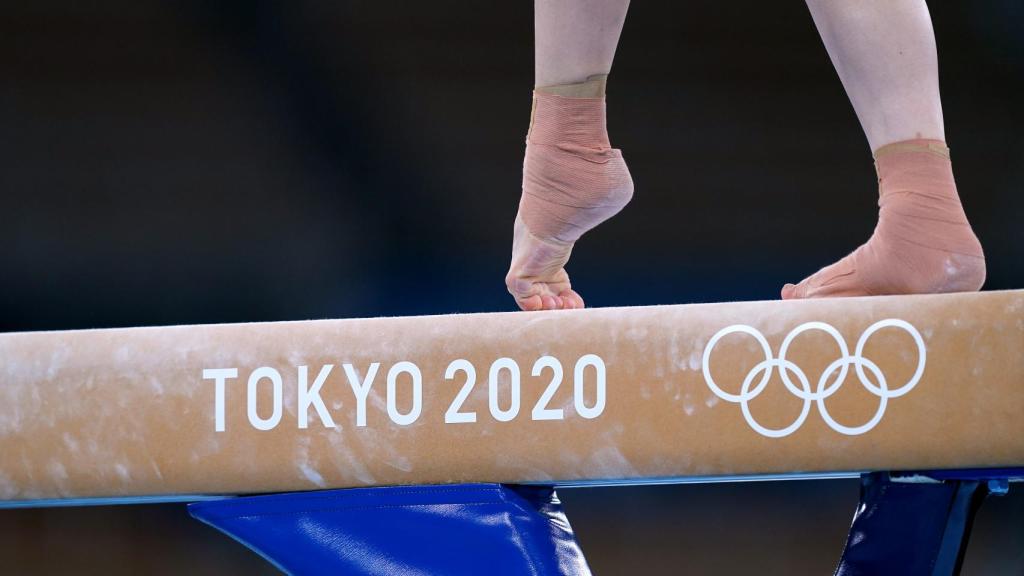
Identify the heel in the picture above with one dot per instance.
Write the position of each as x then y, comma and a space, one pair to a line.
963, 274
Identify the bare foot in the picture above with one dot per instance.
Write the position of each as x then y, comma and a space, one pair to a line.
537, 277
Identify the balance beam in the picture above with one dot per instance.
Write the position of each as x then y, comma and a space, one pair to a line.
633, 395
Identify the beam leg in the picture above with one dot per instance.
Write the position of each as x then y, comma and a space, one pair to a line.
467, 529
912, 528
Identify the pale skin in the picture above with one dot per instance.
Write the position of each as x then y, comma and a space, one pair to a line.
883, 50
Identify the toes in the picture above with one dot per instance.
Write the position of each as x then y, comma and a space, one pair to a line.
571, 299
566, 300
816, 285
533, 302
525, 293
836, 280
530, 303
810, 287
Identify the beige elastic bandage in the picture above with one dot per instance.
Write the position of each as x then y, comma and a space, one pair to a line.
923, 242
572, 178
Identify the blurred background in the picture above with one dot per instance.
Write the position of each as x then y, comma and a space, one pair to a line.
187, 161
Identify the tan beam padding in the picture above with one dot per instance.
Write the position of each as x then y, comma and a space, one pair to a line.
616, 394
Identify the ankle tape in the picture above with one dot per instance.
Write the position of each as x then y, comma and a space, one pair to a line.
572, 178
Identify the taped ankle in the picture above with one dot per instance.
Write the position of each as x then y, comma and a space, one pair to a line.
572, 178
923, 242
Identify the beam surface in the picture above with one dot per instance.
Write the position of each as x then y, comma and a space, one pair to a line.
615, 395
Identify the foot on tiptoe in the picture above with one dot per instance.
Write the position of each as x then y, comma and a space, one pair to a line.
537, 278
923, 242
572, 181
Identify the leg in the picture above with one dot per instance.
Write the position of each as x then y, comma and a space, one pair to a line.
575, 39
572, 178
918, 527
884, 52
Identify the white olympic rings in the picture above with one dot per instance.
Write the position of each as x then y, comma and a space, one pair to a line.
823, 390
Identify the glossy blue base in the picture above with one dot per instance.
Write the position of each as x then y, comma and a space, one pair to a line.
454, 530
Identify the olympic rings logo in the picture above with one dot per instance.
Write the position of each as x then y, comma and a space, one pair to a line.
879, 387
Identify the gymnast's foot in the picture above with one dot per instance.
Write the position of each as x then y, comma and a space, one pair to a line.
923, 243
537, 277
572, 181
